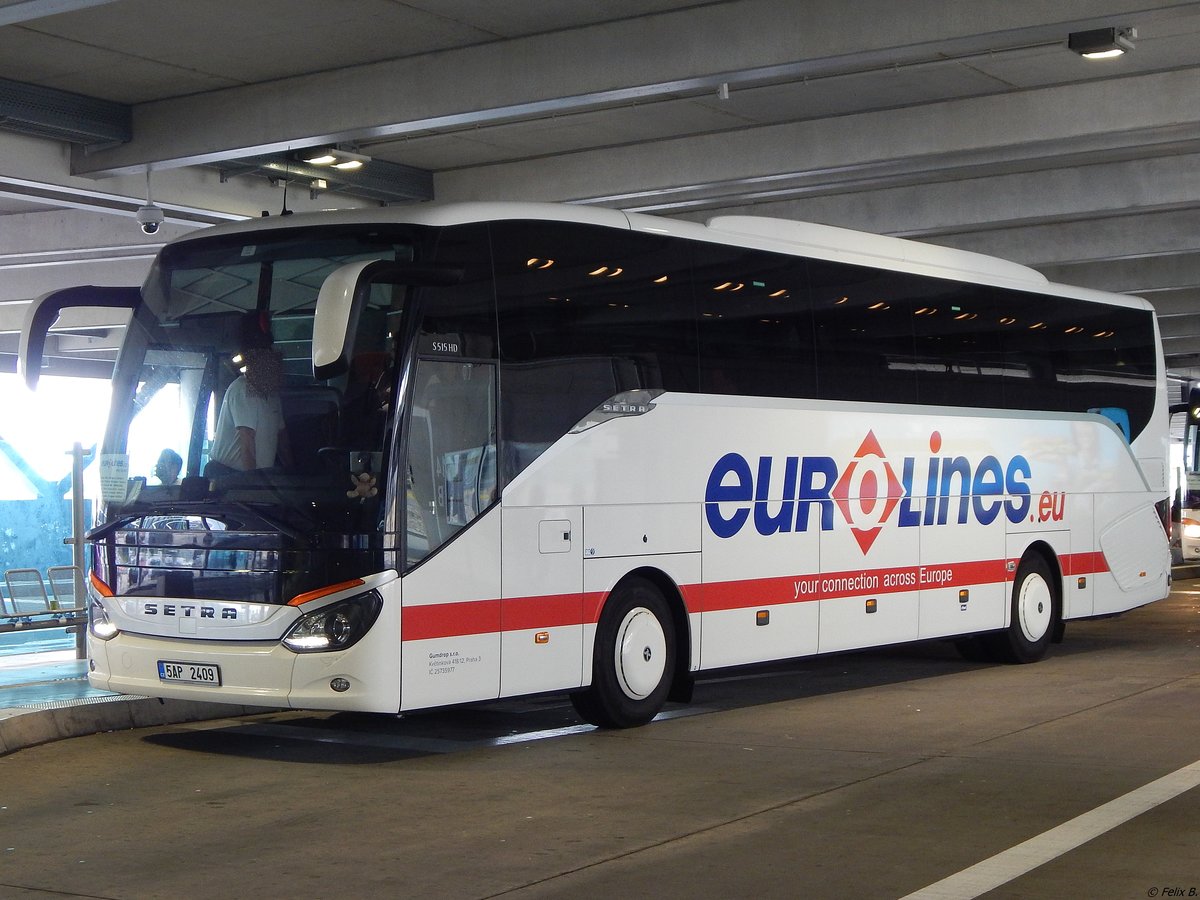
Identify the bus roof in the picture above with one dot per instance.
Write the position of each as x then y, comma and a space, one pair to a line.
758, 232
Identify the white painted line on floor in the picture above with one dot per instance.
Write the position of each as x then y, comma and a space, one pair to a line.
1016, 861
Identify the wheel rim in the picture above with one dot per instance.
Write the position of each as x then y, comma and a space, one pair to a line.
1034, 606
641, 653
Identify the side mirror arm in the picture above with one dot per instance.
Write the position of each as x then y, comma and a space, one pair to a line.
45, 310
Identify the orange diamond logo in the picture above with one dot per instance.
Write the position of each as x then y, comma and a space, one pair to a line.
867, 492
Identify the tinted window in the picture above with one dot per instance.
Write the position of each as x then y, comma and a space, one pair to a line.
588, 312
585, 313
960, 358
756, 335
459, 320
1080, 356
863, 326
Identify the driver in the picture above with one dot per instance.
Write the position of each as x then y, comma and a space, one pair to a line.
250, 429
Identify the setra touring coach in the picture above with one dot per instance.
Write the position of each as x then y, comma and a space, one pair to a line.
448, 453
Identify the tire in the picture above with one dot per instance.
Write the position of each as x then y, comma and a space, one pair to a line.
633, 660
1035, 615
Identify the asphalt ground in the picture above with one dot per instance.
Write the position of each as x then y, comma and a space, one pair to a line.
861, 775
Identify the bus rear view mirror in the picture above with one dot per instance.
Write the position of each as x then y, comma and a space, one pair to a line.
45, 310
1193, 405
344, 295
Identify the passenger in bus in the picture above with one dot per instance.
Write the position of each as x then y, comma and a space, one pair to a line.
168, 467
250, 428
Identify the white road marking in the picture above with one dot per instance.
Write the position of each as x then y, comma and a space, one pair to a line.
1025, 857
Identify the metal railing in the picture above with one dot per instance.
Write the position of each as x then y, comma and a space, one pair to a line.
27, 605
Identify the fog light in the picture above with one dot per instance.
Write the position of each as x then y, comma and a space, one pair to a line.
99, 623
341, 685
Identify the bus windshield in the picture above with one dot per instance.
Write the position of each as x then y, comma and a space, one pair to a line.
218, 424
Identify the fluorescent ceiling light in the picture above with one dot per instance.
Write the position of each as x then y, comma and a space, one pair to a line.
333, 156
1101, 43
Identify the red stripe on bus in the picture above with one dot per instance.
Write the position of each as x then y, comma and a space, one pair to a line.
836, 585
443, 620
1084, 563
521, 613
593, 603
720, 595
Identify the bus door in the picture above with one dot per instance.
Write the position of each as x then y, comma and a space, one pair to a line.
451, 619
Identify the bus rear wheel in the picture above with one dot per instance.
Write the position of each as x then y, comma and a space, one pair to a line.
633, 660
1035, 614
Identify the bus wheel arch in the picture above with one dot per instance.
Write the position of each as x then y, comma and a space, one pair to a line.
635, 659
1035, 608
682, 680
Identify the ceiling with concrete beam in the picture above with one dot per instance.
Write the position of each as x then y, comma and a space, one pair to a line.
965, 124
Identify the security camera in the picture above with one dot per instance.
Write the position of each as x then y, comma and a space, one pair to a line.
150, 217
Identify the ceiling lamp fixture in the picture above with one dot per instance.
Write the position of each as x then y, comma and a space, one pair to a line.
1101, 43
334, 157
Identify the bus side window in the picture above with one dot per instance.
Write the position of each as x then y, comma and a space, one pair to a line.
754, 322
543, 399
585, 312
863, 328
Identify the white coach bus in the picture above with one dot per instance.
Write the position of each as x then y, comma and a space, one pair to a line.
485, 450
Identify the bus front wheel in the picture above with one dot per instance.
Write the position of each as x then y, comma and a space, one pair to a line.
633, 659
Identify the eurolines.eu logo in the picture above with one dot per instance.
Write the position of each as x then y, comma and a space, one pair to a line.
779, 495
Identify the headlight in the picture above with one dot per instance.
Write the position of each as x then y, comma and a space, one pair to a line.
99, 624
334, 627
1191, 528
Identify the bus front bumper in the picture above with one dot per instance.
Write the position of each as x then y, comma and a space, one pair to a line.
265, 674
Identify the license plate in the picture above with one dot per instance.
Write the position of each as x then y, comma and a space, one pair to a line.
189, 673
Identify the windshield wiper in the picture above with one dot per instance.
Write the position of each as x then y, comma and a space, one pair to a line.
102, 531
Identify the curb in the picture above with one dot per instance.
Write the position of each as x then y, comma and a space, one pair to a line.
61, 719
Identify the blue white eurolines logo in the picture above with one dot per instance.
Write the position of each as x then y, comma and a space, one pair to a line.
868, 492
